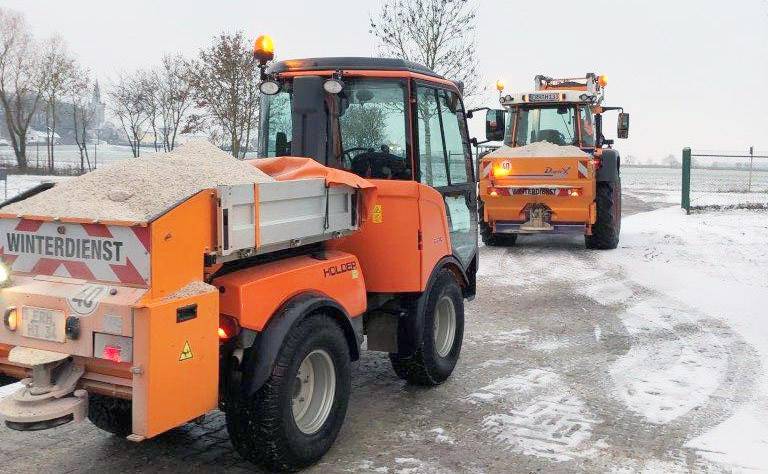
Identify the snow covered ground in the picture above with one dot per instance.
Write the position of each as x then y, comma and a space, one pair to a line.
716, 263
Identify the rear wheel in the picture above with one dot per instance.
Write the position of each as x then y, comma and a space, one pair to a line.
443, 332
112, 415
294, 418
605, 232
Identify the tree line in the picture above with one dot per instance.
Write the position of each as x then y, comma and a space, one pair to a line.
215, 93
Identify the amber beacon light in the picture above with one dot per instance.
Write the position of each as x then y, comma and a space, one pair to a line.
264, 48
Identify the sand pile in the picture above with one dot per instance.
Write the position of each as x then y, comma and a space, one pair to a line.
539, 149
139, 189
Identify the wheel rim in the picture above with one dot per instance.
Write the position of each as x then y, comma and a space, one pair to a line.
314, 391
445, 326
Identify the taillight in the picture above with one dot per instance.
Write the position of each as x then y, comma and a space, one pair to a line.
596, 163
112, 348
112, 353
502, 170
228, 327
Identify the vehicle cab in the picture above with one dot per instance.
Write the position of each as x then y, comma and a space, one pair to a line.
393, 122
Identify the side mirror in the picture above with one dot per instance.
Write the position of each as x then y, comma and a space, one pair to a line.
622, 128
494, 125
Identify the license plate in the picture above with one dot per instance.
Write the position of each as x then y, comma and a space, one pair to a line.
537, 191
41, 323
548, 97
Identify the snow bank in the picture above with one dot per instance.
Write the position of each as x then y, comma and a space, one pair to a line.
539, 149
139, 189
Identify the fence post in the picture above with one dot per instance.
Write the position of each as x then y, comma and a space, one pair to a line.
686, 198
751, 158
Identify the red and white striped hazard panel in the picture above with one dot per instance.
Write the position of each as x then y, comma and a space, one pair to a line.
86, 251
583, 168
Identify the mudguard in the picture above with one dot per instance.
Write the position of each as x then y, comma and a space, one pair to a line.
609, 166
259, 358
410, 327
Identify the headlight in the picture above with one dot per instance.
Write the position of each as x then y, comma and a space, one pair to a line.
333, 86
11, 318
269, 87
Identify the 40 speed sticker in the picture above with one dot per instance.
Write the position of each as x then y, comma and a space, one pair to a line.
86, 299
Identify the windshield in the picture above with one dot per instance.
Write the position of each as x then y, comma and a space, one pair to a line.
370, 134
276, 124
555, 124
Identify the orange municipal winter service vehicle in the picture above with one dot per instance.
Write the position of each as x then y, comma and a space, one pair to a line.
556, 172
254, 298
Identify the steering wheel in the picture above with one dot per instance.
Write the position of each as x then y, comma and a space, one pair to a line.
346, 157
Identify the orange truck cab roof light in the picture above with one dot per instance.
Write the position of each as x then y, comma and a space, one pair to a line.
264, 48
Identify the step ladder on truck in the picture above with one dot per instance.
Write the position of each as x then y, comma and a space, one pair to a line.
255, 298
555, 171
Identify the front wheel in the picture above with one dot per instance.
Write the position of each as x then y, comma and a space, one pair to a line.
605, 232
293, 420
443, 332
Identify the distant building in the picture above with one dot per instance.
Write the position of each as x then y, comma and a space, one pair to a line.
64, 121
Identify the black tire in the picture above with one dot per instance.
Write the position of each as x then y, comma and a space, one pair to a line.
426, 367
263, 429
489, 238
605, 232
113, 415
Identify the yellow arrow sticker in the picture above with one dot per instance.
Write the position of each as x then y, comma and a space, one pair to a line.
186, 353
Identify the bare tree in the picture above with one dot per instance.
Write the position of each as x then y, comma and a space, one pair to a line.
149, 96
226, 79
127, 102
21, 79
176, 96
436, 33
59, 68
82, 113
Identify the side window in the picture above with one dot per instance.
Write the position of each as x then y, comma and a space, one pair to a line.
587, 129
453, 130
431, 149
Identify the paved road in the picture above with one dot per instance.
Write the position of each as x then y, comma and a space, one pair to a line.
567, 366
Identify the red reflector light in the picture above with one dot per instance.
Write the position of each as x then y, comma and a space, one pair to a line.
228, 327
112, 353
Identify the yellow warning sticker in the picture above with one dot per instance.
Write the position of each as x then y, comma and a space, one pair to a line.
354, 274
376, 217
186, 353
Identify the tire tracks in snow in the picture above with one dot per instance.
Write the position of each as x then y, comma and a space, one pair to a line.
649, 372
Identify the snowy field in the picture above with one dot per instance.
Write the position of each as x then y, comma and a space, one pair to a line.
67, 156
708, 187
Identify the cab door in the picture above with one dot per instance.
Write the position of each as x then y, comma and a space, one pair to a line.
445, 162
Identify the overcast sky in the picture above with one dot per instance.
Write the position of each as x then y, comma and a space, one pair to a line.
690, 72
